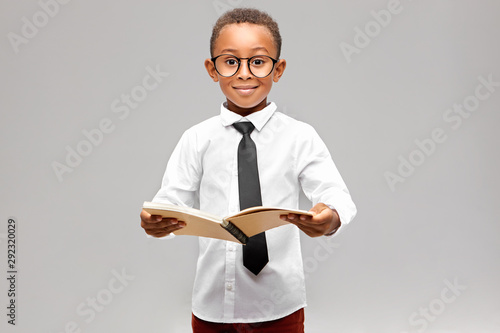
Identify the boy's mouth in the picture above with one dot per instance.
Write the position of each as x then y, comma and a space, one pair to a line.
245, 90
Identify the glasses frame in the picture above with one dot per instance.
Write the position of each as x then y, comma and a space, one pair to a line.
248, 64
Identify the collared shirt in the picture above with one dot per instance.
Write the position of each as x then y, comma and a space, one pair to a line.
203, 172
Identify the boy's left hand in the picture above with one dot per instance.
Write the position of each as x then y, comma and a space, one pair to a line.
323, 221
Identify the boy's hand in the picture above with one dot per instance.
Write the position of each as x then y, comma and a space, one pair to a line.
324, 221
157, 226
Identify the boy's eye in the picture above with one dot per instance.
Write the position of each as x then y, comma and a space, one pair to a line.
231, 62
258, 62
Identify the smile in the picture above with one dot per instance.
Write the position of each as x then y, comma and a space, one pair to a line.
245, 90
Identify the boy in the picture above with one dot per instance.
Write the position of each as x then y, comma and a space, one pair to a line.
250, 148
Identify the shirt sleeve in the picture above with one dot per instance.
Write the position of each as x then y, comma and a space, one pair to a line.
182, 176
319, 178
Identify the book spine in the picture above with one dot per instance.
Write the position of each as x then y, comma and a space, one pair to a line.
236, 232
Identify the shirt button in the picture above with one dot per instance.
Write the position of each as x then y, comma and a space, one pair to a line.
229, 286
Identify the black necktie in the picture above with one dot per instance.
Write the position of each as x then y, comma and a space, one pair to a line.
255, 251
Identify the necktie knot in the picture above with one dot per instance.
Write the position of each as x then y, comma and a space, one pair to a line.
245, 127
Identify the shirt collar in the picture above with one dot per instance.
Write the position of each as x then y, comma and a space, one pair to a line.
258, 119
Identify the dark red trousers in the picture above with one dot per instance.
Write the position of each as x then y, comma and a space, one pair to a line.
293, 323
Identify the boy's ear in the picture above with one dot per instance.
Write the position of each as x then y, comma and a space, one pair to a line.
209, 65
279, 68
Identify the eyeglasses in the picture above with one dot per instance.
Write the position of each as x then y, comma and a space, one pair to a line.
259, 65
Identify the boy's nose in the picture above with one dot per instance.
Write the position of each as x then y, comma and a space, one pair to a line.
243, 71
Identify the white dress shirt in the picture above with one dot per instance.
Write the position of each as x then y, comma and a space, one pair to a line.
203, 172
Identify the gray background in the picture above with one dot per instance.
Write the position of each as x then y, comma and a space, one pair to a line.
438, 227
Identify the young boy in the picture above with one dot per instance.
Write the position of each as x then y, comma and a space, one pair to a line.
209, 169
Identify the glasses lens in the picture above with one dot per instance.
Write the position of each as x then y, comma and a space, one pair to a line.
261, 66
226, 65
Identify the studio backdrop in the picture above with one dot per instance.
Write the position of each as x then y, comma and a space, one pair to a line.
96, 94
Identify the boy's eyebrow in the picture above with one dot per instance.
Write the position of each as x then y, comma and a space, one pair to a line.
253, 49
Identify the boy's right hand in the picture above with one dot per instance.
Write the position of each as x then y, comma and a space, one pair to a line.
157, 226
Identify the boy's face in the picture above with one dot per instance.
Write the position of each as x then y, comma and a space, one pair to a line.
245, 92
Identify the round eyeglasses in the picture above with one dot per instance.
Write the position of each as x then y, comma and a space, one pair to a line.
259, 65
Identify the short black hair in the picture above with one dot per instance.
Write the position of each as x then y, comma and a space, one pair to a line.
246, 15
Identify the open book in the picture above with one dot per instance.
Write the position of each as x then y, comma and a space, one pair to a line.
236, 228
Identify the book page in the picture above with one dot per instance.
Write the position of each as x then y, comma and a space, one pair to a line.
176, 208
203, 225
253, 221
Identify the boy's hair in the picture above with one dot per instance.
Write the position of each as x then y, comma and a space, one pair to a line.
246, 15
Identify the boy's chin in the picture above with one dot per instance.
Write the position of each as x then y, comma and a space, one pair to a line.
245, 104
